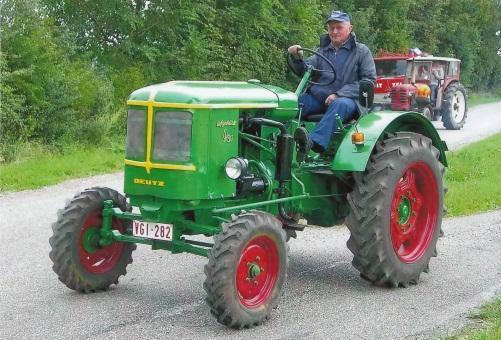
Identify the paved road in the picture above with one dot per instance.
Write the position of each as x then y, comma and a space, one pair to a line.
162, 295
482, 121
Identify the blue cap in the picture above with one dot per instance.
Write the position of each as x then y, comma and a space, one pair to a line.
338, 16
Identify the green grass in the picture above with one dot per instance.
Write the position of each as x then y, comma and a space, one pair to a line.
37, 166
484, 325
473, 181
478, 98
473, 178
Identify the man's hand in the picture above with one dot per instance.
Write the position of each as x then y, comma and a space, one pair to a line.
330, 99
295, 52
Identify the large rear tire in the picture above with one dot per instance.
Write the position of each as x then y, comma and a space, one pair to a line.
78, 260
396, 211
455, 107
247, 269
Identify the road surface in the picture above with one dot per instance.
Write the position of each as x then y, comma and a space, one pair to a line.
481, 122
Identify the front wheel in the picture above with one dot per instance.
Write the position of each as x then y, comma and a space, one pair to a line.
78, 259
246, 270
427, 111
396, 211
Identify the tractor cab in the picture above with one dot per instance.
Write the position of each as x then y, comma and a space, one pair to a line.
432, 71
431, 87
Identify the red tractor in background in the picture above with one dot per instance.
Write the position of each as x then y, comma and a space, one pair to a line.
432, 87
390, 71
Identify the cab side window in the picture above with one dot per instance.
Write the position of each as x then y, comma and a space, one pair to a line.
453, 69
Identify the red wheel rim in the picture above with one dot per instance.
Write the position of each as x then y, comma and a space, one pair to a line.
414, 212
257, 271
99, 260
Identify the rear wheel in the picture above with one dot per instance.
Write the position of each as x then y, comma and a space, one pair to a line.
246, 270
78, 259
454, 108
396, 211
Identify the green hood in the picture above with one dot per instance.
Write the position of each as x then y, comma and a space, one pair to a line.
217, 93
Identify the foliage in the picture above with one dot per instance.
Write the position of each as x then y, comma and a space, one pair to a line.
13, 123
478, 98
48, 90
67, 67
485, 324
37, 165
465, 178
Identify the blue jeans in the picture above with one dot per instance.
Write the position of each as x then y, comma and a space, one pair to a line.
433, 89
346, 108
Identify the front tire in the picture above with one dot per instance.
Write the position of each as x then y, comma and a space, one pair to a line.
78, 260
246, 270
427, 111
396, 211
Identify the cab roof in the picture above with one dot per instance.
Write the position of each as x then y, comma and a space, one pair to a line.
433, 59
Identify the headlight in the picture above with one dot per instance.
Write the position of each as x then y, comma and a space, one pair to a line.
235, 167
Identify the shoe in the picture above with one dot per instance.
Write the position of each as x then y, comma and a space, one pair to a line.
303, 143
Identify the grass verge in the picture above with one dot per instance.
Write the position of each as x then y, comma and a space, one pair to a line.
478, 98
486, 324
473, 178
39, 167
473, 182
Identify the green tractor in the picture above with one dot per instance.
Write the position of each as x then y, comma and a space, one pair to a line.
210, 169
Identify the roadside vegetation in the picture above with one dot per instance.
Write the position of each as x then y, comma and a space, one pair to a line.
473, 178
485, 324
473, 171
40, 166
66, 67
477, 98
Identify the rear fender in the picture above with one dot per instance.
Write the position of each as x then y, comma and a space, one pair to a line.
350, 157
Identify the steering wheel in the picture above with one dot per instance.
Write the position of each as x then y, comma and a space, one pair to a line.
315, 70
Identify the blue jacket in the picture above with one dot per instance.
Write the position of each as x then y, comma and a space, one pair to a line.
359, 65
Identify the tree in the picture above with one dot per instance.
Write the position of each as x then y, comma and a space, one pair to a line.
58, 90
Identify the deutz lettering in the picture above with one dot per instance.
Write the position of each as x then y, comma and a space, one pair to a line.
149, 182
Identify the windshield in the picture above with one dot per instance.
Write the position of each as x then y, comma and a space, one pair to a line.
390, 68
422, 71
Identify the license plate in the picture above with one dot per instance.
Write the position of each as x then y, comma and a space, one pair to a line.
157, 231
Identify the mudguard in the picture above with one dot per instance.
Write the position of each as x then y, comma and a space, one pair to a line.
350, 157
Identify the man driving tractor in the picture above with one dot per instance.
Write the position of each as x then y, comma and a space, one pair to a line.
352, 62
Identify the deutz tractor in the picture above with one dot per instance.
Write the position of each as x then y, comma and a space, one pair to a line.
432, 87
211, 170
